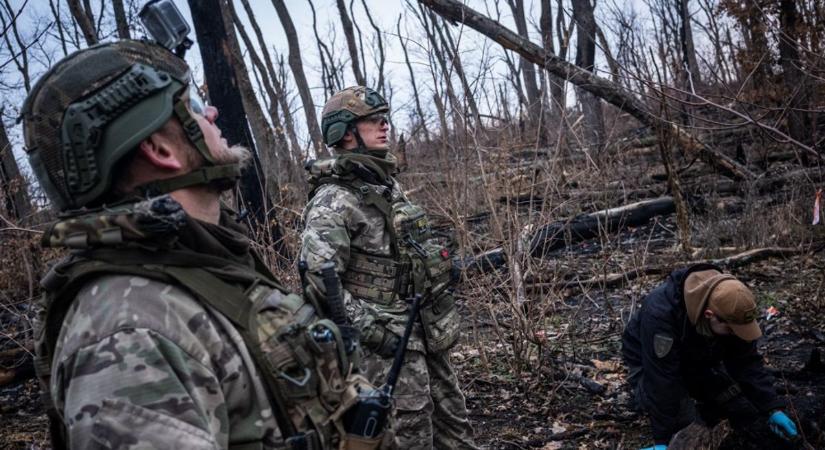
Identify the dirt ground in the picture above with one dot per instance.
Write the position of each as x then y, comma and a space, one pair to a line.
556, 381
576, 397
572, 395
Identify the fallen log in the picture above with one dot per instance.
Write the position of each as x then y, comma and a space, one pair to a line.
483, 262
620, 279
558, 234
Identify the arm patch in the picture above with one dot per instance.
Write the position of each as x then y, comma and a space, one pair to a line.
662, 344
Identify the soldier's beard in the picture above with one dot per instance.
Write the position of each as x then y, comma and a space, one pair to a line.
236, 154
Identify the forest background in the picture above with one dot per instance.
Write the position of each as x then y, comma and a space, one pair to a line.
580, 151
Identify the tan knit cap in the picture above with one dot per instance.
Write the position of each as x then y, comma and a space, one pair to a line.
727, 297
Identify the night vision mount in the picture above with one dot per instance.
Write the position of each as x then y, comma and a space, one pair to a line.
166, 25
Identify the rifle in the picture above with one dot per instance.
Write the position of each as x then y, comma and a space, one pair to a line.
368, 417
335, 306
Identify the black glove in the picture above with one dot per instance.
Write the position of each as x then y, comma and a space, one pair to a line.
381, 341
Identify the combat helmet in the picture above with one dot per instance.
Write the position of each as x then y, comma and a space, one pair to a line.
346, 107
93, 108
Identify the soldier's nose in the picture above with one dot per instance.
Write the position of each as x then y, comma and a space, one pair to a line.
211, 114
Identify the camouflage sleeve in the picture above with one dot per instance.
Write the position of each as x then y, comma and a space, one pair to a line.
326, 237
136, 389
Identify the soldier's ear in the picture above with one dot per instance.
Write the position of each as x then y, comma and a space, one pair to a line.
708, 314
160, 152
348, 138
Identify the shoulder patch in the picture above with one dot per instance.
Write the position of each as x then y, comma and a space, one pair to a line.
662, 343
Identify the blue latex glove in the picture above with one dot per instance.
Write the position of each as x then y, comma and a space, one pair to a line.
782, 425
656, 447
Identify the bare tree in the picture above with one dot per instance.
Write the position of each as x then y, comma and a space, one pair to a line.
690, 66
271, 147
83, 18
59, 23
793, 78
17, 54
280, 93
120, 20
297, 67
379, 43
416, 98
586, 58
600, 87
426, 19
329, 74
528, 71
14, 199
346, 24
452, 51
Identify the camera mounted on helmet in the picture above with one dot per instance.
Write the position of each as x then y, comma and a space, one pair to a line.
164, 22
94, 107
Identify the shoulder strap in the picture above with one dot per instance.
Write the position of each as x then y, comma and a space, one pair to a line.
371, 197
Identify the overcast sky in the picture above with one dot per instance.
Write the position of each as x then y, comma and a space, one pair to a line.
385, 12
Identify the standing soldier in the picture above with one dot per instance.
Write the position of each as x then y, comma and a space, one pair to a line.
163, 329
382, 245
695, 338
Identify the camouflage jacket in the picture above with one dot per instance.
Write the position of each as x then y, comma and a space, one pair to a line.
140, 363
337, 220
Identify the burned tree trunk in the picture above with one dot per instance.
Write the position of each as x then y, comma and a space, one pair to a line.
600, 87
223, 91
792, 76
558, 234
691, 66
586, 58
15, 200
120, 20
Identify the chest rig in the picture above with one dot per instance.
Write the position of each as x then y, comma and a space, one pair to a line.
420, 261
299, 354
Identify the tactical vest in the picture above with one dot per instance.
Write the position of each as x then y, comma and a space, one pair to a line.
421, 262
299, 354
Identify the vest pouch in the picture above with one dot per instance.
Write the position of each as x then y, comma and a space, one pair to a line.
410, 221
351, 442
440, 321
438, 266
287, 346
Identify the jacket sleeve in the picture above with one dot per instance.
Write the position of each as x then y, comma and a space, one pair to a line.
744, 364
662, 390
135, 388
326, 237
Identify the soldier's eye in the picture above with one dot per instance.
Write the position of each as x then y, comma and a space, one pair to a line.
196, 103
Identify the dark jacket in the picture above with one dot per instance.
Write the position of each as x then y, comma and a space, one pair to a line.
723, 372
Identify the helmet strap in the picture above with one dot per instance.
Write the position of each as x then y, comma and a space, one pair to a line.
192, 130
222, 177
362, 148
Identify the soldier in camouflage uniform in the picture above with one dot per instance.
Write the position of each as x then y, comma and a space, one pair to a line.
382, 246
146, 336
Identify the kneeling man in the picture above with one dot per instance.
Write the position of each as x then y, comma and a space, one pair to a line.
691, 351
